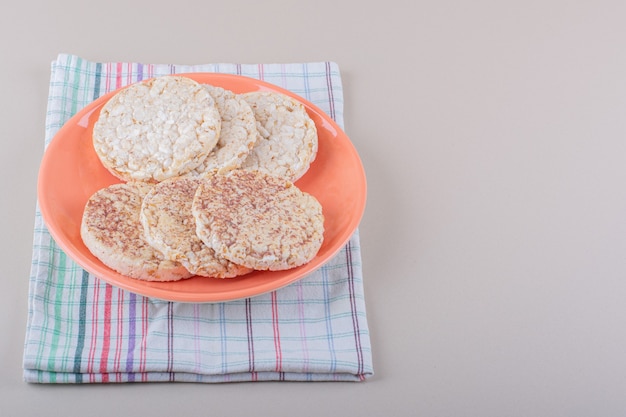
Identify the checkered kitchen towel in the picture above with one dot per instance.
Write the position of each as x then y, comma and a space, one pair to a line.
83, 330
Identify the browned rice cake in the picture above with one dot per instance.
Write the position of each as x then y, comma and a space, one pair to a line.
111, 230
170, 227
257, 220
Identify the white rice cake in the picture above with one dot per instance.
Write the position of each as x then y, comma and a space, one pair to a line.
257, 220
237, 136
111, 230
288, 139
170, 227
157, 129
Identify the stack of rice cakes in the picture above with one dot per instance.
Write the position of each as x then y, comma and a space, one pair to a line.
208, 182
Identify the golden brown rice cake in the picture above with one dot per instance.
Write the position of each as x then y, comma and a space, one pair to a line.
257, 220
170, 227
111, 230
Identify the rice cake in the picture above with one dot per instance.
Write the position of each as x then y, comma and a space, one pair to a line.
237, 136
288, 139
258, 220
170, 227
157, 129
111, 230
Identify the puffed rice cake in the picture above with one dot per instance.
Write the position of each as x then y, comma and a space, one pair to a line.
288, 139
170, 227
157, 129
237, 136
258, 220
111, 230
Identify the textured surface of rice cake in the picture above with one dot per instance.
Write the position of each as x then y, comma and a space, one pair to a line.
111, 230
257, 220
170, 227
237, 136
288, 139
157, 129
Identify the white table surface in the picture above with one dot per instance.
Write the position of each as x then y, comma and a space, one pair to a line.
493, 135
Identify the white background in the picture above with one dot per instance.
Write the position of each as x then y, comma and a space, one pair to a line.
493, 135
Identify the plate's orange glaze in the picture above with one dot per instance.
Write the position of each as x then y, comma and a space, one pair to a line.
71, 172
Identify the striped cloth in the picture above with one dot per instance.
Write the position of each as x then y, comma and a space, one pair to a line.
83, 330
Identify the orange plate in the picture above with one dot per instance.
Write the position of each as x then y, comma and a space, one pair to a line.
71, 172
